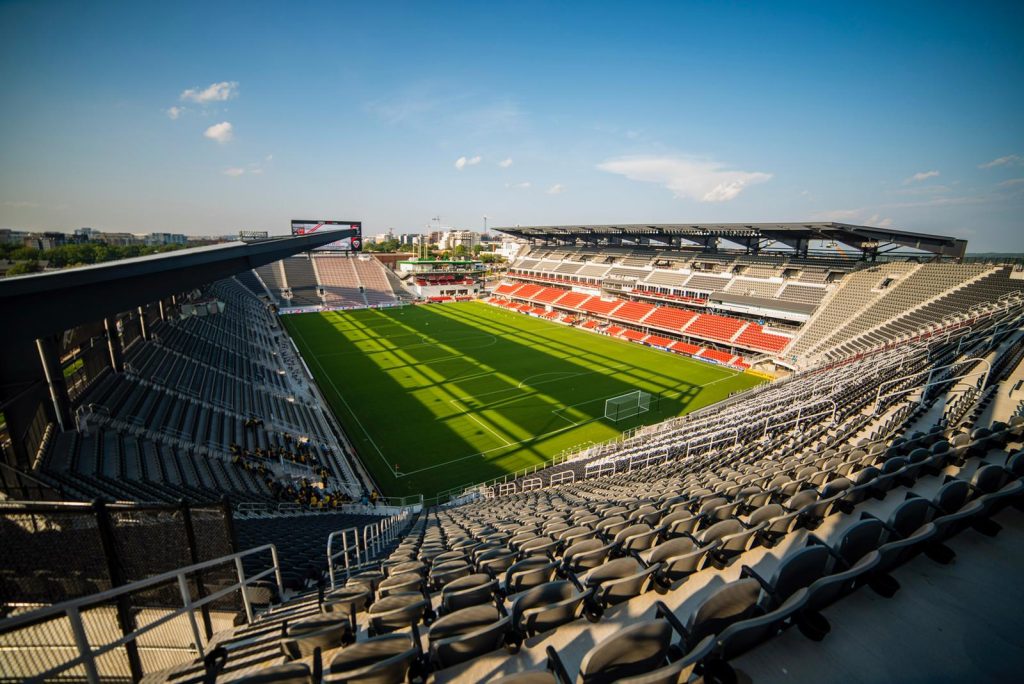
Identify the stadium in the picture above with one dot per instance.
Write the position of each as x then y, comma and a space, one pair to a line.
643, 453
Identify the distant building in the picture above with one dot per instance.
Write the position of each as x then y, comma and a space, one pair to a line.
87, 234
43, 241
12, 237
454, 238
120, 239
156, 239
510, 249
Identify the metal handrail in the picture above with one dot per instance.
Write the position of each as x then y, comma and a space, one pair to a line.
367, 541
72, 610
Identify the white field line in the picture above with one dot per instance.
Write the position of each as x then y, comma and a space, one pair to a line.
465, 412
493, 341
553, 432
353, 413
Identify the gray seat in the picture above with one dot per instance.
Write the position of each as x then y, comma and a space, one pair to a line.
347, 600
468, 591
527, 573
381, 660
733, 537
619, 580
447, 571
638, 537
467, 634
680, 522
545, 607
731, 603
396, 584
954, 509
289, 673
495, 561
639, 653
995, 487
679, 558
585, 555
300, 639
396, 612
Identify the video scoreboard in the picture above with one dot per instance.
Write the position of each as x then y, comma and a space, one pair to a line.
350, 241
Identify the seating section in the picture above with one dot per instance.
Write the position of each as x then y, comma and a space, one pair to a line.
753, 336
301, 280
335, 280
340, 281
714, 327
884, 303
671, 554
250, 282
600, 307
207, 405
702, 326
372, 276
633, 312
668, 553
670, 318
803, 294
272, 276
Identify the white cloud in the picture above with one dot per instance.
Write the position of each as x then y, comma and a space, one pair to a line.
525, 185
699, 179
556, 189
878, 221
174, 112
1012, 183
505, 163
463, 162
234, 171
920, 176
839, 215
1008, 160
221, 132
215, 92
21, 204
858, 216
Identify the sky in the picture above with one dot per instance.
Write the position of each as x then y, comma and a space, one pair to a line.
208, 118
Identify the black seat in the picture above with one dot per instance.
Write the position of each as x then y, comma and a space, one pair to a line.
466, 634
379, 660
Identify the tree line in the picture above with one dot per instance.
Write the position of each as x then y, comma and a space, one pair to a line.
77, 254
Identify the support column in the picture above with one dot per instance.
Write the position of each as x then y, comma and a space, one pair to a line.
163, 314
114, 345
143, 327
58, 387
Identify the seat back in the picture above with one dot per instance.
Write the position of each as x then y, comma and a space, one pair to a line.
395, 612
730, 603
325, 633
861, 538
800, 569
379, 660
631, 651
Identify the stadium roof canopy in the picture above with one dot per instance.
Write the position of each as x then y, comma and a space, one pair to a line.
753, 237
33, 306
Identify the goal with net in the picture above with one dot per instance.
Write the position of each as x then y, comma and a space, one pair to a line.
627, 405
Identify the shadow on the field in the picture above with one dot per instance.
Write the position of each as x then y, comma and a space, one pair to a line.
456, 363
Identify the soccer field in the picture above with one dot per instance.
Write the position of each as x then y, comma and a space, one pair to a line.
455, 394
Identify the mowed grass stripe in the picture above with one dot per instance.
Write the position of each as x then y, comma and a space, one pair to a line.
459, 393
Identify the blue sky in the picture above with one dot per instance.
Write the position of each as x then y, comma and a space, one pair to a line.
207, 119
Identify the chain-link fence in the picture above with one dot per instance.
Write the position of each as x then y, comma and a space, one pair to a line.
53, 552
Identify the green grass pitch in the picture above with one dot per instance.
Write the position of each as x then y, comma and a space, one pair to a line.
455, 394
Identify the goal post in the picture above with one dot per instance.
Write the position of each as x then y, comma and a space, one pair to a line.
627, 405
